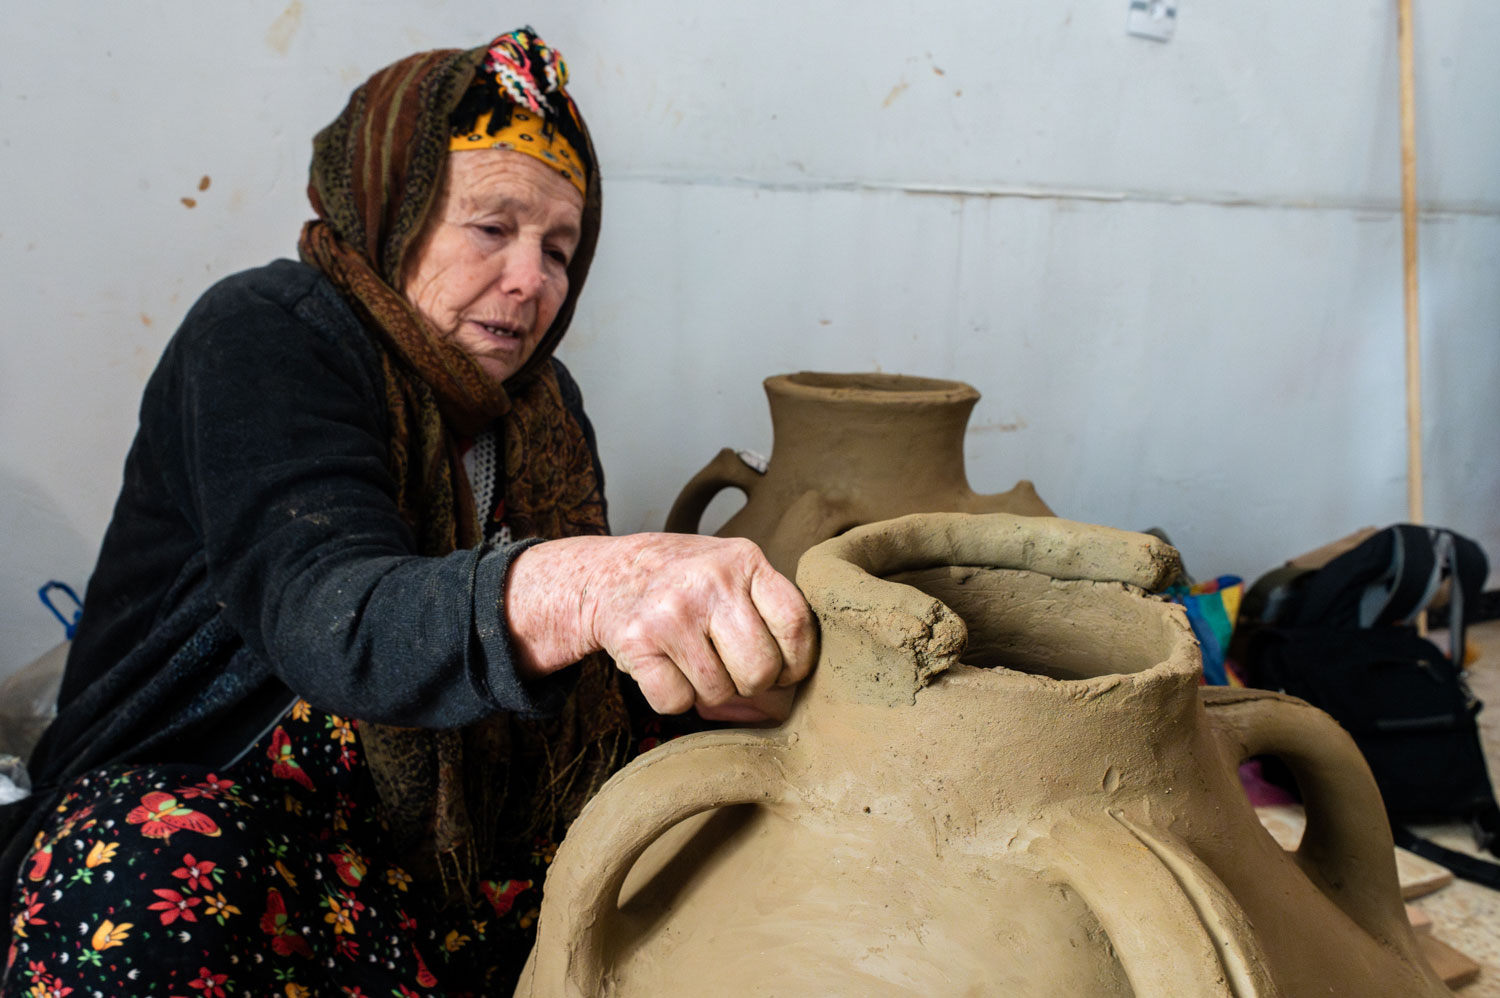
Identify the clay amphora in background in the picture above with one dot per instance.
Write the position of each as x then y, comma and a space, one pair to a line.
1002, 779
849, 449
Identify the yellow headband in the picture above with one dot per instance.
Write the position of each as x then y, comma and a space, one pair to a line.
526, 134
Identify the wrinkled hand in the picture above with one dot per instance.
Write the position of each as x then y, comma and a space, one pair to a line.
695, 621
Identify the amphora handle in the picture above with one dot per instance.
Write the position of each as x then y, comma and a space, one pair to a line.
1182, 932
670, 783
1346, 850
726, 470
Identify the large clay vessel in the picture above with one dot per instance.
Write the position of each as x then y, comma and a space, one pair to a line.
1002, 779
849, 449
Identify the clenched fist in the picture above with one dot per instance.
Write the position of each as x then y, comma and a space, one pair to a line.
696, 621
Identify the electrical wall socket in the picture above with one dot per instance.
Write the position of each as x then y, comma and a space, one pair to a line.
1155, 19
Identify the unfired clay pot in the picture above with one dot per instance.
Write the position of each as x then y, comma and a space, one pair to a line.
849, 449
1002, 779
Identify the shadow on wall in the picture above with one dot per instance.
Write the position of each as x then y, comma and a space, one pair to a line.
40, 545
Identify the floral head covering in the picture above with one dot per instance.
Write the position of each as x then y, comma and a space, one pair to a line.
518, 101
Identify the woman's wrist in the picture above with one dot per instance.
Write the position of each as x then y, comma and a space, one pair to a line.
546, 593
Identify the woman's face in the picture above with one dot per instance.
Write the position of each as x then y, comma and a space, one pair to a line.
490, 269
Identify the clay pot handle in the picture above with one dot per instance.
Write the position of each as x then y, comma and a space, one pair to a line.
670, 783
1182, 932
1346, 850
726, 470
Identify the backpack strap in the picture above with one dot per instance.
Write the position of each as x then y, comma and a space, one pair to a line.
1332, 596
1389, 579
1467, 567
1409, 581
1480, 871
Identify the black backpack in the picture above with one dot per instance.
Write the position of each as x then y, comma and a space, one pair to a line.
1342, 638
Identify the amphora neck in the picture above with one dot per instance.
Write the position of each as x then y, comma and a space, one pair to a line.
871, 428
952, 642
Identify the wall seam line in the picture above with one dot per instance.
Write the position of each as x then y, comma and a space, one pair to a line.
1392, 206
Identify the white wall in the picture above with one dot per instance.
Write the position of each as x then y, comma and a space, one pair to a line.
1174, 270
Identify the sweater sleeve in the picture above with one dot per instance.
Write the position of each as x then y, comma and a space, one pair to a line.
271, 431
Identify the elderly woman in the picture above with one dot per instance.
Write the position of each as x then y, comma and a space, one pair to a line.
352, 655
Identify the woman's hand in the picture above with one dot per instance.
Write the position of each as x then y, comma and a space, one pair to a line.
695, 621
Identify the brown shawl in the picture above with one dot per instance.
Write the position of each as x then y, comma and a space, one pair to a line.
456, 800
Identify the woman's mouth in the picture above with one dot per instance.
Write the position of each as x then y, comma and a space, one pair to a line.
500, 330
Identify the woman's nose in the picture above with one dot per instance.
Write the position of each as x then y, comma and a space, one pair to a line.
524, 274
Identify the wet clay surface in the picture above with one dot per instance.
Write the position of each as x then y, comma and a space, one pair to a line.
844, 913
1003, 778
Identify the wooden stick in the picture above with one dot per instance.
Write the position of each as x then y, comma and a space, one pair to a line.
1409, 231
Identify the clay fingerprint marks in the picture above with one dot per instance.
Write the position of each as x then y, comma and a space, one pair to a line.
1222, 928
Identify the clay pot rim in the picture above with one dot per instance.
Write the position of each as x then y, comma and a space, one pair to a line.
894, 615
1173, 652
872, 386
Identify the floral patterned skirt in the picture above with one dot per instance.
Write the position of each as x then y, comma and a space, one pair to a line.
264, 879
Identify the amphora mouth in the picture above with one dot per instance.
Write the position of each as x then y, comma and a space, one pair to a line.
934, 592
872, 387
1067, 630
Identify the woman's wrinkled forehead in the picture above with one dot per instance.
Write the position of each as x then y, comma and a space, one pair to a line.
503, 182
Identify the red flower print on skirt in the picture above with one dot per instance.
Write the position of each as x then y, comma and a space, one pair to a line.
198, 872
209, 983
174, 905
210, 787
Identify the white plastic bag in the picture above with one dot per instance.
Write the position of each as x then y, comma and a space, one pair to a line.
28, 702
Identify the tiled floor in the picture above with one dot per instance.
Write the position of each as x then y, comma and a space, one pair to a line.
1464, 915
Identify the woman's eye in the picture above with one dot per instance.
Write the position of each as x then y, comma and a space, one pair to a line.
494, 230
559, 256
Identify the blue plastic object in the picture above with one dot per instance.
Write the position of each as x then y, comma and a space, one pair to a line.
69, 626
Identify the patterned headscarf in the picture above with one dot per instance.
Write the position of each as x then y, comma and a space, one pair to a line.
518, 101
456, 799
